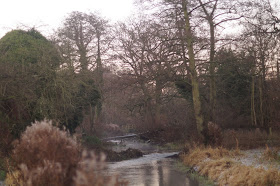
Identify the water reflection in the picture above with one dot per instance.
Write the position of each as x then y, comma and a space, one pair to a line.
151, 170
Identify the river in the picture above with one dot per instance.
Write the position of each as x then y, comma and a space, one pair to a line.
153, 169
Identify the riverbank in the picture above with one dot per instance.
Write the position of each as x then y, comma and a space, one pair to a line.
247, 167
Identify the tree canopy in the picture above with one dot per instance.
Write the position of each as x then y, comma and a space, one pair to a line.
33, 87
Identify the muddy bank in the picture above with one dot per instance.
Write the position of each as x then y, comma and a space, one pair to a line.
113, 156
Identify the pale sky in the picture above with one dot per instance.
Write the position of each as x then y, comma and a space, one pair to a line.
47, 15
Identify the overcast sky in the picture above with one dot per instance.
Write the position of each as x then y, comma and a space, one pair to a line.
47, 15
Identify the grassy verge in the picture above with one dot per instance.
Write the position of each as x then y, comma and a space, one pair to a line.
218, 165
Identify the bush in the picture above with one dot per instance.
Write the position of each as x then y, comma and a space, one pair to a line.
46, 155
45, 152
91, 141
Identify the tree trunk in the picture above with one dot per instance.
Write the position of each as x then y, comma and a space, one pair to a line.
253, 111
212, 82
158, 93
277, 66
195, 87
99, 81
261, 101
83, 61
212, 72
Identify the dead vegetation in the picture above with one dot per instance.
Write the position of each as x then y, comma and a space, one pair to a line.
271, 154
46, 155
219, 165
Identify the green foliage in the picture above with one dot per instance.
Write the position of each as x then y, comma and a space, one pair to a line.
25, 47
185, 89
27, 65
234, 80
82, 93
91, 141
2, 175
32, 87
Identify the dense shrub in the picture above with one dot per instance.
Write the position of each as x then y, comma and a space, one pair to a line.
32, 63
43, 150
46, 155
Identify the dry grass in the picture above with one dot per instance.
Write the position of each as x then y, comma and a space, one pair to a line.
237, 174
46, 155
214, 168
271, 154
200, 153
216, 163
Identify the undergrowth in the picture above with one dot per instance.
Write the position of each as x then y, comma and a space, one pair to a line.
218, 165
271, 154
91, 141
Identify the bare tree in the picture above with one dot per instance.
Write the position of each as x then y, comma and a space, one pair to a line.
145, 47
82, 41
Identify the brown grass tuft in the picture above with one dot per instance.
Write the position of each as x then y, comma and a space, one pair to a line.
46, 155
201, 153
271, 154
217, 165
213, 169
245, 175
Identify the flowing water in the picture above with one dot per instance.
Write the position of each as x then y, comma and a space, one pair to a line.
153, 169
156, 168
